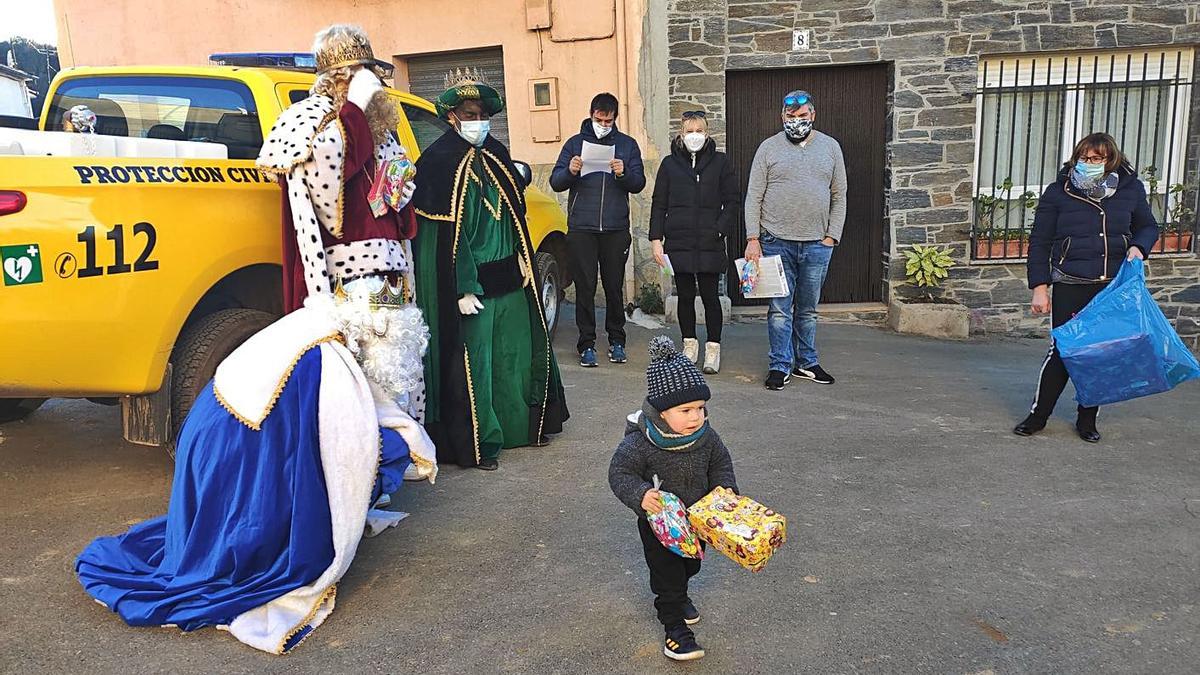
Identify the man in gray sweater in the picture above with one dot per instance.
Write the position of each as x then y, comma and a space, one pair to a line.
795, 209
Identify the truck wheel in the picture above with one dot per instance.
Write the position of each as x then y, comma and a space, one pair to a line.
201, 347
13, 409
552, 291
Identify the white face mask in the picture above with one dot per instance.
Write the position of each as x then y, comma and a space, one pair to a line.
601, 132
475, 131
694, 141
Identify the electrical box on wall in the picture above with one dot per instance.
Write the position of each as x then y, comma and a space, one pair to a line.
537, 14
543, 110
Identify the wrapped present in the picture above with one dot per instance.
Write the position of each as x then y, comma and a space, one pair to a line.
739, 527
671, 526
387, 189
748, 277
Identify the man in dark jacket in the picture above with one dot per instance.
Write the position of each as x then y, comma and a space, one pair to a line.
598, 224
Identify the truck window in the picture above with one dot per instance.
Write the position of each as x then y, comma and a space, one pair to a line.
426, 126
201, 109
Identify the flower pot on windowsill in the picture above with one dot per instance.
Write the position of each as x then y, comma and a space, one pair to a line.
937, 318
1173, 242
987, 248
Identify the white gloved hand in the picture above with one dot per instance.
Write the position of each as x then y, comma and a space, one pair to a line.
469, 304
363, 85
406, 193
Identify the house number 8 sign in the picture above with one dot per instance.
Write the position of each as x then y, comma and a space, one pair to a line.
800, 40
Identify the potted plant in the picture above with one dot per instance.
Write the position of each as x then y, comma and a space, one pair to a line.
1175, 235
1000, 242
1175, 232
928, 313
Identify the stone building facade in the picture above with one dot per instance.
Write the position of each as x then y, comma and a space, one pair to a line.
934, 50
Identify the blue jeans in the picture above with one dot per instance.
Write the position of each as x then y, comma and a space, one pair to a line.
792, 321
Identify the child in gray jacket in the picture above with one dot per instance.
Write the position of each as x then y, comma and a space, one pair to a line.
670, 437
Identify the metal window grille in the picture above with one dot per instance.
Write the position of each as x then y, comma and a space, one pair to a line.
1032, 110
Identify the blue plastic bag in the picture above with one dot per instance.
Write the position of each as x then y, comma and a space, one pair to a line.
1121, 346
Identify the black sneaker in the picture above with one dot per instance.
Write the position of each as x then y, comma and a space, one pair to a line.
776, 379
488, 465
815, 373
681, 645
691, 615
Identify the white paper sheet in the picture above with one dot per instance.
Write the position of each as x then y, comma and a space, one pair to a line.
597, 157
771, 281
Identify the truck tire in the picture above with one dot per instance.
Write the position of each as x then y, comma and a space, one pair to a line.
201, 348
13, 409
552, 291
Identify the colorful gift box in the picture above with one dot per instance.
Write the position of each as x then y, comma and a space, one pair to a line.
671, 526
739, 527
387, 189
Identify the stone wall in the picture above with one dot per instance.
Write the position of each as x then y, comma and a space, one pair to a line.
934, 46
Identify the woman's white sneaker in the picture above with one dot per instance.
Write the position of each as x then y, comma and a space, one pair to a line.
712, 358
691, 349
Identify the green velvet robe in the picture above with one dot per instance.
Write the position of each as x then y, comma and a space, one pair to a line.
491, 379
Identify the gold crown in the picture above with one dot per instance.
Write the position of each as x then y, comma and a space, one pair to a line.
462, 77
353, 54
388, 296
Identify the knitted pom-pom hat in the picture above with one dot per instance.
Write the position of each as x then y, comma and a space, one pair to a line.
672, 379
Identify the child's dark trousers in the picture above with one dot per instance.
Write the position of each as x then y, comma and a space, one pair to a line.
669, 574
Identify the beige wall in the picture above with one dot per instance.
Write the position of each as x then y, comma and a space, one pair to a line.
148, 32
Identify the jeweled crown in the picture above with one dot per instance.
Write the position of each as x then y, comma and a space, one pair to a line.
463, 77
353, 54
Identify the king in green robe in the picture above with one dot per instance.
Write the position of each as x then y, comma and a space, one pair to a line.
492, 381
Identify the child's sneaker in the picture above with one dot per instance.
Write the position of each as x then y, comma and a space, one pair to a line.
691, 615
681, 645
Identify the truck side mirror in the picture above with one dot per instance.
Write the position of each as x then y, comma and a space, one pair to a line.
525, 172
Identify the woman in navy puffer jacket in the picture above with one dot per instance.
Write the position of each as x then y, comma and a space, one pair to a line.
1086, 224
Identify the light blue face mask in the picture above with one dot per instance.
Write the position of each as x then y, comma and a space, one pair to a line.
1092, 171
474, 131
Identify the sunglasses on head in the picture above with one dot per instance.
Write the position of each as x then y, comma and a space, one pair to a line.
796, 100
693, 114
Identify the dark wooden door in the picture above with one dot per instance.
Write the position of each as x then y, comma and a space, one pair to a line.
851, 103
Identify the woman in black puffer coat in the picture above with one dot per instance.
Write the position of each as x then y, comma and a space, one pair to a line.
1093, 217
695, 206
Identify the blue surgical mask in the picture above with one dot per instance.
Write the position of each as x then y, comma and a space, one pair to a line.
474, 131
1092, 171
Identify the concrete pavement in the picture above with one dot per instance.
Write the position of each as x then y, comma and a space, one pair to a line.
923, 536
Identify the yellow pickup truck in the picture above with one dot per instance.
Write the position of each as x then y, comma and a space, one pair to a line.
136, 258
